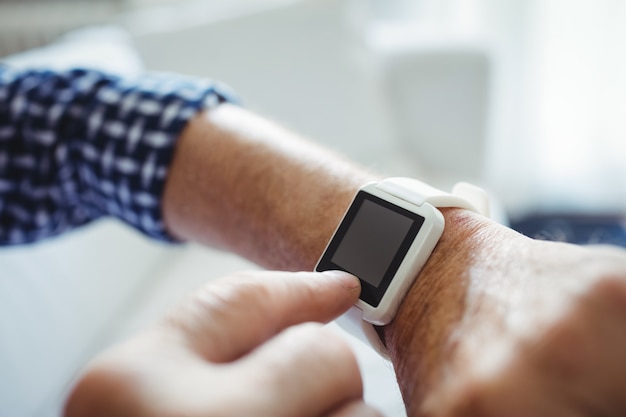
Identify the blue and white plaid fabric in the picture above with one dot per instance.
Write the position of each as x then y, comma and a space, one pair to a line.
80, 144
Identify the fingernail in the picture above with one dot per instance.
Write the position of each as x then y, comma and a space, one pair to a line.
349, 281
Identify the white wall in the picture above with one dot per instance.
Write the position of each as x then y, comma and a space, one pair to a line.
577, 105
303, 64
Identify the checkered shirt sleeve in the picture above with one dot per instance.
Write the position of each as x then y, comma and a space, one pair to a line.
81, 144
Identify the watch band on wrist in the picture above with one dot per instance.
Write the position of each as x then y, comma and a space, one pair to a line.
464, 195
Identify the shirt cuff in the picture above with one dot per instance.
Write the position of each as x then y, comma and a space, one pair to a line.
132, 130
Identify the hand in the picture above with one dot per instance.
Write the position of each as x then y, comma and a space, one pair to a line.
225, 352
501, 325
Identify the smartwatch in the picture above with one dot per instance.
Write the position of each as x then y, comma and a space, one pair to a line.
384, 239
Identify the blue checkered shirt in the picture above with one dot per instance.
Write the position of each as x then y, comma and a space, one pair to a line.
79, 145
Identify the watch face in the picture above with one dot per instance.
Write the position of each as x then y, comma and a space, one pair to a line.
371, 242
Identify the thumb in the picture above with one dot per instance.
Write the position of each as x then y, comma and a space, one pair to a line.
230, 317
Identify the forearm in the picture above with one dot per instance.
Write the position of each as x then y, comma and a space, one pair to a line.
241, 183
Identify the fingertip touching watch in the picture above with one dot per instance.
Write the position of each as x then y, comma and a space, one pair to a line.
384, 239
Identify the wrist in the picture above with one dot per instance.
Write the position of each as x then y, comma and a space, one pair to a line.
418, 337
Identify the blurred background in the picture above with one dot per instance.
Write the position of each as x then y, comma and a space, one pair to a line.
524, 97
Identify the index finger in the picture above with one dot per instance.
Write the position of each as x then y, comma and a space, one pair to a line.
230, 317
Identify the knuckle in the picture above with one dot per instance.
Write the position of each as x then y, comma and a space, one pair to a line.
561, 350
330, 347
470, 398
332, 341
472, 402
568, 349
611, 290
105, 388
356, 408
330, 364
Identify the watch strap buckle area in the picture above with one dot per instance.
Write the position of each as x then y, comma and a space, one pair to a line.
352, 322
464, 195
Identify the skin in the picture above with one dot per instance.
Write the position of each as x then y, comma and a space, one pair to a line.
502, 325
496, 324
226, 351
230, 170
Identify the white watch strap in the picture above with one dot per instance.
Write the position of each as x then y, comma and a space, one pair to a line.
464, 195
353, 323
